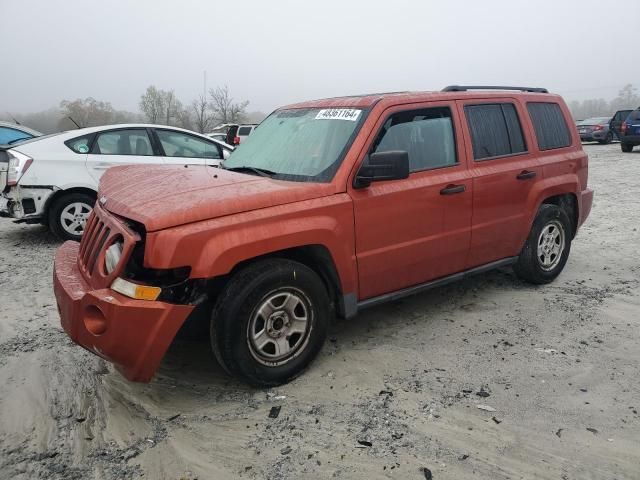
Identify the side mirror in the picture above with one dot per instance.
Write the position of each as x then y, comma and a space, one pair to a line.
380, 166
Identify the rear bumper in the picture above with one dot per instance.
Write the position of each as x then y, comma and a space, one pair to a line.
132, 334
634, 139
586, 201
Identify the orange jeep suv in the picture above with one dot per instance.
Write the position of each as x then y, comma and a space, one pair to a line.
329, 207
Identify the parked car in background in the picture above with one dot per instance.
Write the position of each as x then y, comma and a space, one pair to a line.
237, 133
616, 121
328, 208
12, 133
595, 129
53, 180
220, 137
630, 131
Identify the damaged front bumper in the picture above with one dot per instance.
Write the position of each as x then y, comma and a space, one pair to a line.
132, 334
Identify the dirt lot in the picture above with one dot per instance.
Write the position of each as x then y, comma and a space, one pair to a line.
395, 391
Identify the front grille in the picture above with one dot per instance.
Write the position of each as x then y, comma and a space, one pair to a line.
101, 230
95, 235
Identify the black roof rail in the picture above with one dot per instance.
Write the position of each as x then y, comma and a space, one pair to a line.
464, 88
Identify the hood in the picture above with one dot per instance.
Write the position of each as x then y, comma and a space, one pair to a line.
163, 196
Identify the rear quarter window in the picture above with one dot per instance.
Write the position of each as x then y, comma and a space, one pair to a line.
549, 124
244, 130
80, 144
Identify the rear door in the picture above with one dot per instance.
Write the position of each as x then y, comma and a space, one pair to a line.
121, 146
504, 172
417, 229
182, 148
616, 121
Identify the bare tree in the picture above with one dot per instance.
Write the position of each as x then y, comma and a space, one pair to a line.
223, 108
627, 98
88, 112
172, 106
202, 117
152, 104
184, 119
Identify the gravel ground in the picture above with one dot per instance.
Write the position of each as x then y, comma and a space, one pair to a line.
490, 378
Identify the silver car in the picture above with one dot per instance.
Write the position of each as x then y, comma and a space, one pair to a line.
595, 129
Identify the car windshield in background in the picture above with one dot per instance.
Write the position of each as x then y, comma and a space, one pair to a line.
299, 144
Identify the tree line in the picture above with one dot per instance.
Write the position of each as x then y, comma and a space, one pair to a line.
156, 106
627, 98
218, 106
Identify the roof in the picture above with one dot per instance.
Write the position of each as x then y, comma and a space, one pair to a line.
369, 100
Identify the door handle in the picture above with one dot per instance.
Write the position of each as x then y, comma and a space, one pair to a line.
103, 166
451, 189
526, 175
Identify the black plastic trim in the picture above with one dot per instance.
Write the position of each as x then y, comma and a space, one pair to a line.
405, 292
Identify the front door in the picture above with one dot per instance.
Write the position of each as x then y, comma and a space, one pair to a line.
417, 229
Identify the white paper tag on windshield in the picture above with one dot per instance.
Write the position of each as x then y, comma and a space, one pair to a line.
338, 114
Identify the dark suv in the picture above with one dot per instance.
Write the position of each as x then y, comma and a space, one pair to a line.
630, 131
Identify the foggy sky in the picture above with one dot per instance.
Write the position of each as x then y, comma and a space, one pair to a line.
276, 52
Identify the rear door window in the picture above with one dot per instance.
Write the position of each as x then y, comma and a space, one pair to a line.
549, 124
123, 142
495, 130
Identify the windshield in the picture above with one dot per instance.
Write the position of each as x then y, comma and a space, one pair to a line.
299, 144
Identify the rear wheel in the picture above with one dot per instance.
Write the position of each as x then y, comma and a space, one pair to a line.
626, 147
270, 321
68, 215
546, 250
608, 139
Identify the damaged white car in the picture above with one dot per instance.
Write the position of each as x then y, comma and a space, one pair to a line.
53, 180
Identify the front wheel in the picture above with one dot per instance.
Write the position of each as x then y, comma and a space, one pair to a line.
270, 321
626, 147
546, 250
68, 215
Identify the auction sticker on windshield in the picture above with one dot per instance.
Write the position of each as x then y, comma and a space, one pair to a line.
338, 114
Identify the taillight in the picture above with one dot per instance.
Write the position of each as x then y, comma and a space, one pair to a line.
598, 127
236, 140
19, 163
623, 127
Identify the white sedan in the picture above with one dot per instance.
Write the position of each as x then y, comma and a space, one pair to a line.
53, 180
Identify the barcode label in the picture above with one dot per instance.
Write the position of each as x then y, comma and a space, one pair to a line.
338, 114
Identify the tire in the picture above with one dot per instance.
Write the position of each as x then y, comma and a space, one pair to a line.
608, 139
262, 301
68, 214
553, 222
626, 147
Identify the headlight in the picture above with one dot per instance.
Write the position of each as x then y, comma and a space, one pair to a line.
18, 165
112, 257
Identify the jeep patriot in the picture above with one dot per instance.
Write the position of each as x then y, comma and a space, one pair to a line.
329, 207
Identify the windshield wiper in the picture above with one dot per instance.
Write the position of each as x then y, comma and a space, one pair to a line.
263, 172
